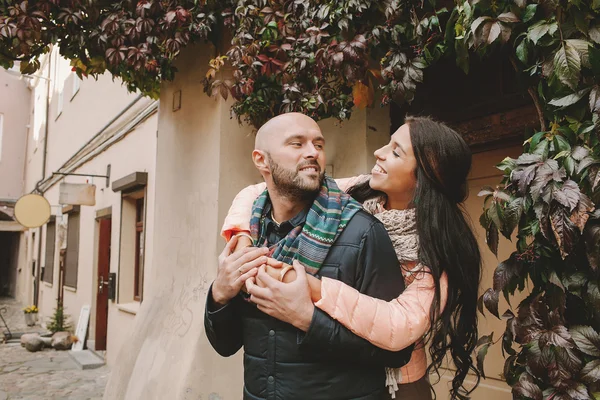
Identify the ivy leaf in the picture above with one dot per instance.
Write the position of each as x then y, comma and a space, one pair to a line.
568, 195
527, 388
529, 12
570, 99
505, 272
590, 372
522, 52
511, 216
567, 65
495, 30
523, 177
592, 294
580, 214
591, 235
579, 153
490, 300
594, 177
492, 238
565, 232
582, 47
508, 17
537, 31
594, 34
586, 339
484, 342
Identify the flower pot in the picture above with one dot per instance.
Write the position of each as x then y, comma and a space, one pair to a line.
30, 319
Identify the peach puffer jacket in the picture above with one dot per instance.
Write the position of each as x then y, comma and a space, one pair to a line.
390, 325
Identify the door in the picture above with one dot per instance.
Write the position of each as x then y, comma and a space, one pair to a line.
102, 293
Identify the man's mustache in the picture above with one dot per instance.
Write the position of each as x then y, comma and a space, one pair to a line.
310, 164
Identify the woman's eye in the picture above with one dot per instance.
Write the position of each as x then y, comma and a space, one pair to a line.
395, 154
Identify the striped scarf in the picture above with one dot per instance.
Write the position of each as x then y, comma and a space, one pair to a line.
309, 243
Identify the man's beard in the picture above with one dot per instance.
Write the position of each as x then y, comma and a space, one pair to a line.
291, 184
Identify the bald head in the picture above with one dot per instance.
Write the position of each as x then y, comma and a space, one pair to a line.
281, 125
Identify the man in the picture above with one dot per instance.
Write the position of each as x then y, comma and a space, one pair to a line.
304, 354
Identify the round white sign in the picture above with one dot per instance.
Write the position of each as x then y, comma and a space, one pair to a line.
32, 210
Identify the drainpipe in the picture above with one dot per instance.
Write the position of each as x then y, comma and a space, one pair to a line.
36, 293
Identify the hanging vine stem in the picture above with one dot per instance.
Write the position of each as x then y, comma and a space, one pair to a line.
534, 97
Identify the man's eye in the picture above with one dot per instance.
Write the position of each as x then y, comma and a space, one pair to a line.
297, 144
319, 146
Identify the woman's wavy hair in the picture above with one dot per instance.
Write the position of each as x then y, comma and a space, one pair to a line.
447, 243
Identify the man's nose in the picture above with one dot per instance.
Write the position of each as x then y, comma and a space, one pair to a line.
311, 151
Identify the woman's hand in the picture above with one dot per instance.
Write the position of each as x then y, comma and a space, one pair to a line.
289, 303
242, 242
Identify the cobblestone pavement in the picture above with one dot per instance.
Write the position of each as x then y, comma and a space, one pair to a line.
45, 375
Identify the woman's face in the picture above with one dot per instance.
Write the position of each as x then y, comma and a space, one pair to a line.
394, 170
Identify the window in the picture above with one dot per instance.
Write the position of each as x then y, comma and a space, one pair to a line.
138, 289
76, 85
48, 274
1, 131
72, 256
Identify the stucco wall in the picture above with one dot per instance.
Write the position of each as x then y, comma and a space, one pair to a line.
14, 107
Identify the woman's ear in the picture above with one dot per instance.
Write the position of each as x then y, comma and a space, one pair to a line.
260, 161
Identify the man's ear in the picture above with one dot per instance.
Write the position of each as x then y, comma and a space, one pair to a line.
260, 161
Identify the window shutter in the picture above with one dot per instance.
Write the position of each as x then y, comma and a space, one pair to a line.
50, 243
72, 255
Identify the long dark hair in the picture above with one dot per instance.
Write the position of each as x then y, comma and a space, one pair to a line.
447, 243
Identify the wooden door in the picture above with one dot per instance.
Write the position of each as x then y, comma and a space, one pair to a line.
102, 292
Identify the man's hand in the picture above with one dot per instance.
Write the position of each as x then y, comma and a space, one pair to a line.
234, 269
288, 302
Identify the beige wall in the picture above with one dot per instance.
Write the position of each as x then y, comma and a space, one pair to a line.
14, 107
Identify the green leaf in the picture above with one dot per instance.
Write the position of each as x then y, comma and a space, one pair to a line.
595, 60
594, 34
537, 31
582, 47
484, 342
522, 52
529, 12
570, 99
567, 65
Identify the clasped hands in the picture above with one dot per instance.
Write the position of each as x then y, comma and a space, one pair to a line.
261, 275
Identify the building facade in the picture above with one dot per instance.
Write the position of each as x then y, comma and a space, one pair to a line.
15, 97
93, 136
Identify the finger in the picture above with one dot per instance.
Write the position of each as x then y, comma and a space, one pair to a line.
244, 277
261, 293
300, 270
240, 253
249, 282
268, 281
274, 263
252, 264
253, 254
229, 247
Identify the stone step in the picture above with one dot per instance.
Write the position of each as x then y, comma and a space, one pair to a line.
86, 359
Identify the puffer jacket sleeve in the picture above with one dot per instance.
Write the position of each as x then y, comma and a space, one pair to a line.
238, 217
392, 325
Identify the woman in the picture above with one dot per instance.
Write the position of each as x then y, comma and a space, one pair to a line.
416, 189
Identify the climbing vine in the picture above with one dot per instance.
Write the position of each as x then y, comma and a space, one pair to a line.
326, 58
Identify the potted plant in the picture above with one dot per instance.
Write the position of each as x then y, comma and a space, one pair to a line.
30, 313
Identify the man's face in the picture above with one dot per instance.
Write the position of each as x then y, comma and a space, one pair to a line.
297, 160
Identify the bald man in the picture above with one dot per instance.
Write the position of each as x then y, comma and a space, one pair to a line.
293, 350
